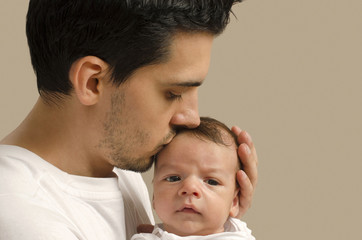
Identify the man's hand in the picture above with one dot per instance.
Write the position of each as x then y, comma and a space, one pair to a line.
247, 179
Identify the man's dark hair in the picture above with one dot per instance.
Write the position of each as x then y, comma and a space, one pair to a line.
127, 34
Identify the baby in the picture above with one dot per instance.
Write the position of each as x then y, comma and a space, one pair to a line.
195, 188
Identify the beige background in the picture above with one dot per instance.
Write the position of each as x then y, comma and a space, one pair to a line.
288, 71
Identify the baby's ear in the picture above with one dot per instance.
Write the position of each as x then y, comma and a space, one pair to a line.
234, 209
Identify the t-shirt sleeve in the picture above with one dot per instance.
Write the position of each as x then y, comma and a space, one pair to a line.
136, 200
21, 218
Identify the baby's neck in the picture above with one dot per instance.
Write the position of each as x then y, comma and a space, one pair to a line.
184, 231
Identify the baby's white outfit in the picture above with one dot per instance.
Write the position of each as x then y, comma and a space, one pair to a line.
234, 230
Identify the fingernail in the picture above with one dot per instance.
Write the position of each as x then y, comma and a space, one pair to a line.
248, 136
236, 130
243, 175
247, 149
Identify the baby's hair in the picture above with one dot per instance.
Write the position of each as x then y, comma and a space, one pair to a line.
215, 131
212, 129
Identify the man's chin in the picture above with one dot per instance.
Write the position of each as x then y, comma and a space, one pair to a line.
143, 166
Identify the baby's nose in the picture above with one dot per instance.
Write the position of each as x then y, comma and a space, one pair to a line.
190, 187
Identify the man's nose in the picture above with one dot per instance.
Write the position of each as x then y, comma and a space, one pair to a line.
188, 113
190, 187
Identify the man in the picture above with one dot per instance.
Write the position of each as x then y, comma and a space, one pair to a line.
116, 80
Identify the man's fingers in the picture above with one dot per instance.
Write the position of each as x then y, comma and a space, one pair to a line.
245, 194
244, 137
250, 163
248, 177
236, 130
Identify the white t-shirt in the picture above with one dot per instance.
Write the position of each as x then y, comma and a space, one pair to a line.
234, 230
39, 201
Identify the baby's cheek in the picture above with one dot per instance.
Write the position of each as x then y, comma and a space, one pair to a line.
162, 210
159, 203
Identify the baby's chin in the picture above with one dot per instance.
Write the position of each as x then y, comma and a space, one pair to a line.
192, 230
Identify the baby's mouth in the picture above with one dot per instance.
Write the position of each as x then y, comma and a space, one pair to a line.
189, 209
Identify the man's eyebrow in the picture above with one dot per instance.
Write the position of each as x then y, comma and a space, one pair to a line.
186, 84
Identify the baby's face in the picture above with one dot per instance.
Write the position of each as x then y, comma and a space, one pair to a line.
194, 186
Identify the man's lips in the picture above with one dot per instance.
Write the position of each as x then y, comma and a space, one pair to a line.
167, 140
169, 137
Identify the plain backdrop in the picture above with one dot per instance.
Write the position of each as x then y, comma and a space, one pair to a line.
289, 72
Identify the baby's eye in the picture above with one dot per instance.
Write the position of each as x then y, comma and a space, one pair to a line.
212, 182
173, 179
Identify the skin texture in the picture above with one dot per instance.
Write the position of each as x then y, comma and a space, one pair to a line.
195, 186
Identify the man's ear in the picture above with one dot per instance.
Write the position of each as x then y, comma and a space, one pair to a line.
85, 75
234, 209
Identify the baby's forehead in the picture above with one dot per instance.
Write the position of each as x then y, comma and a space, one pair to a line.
223, 138
194, 144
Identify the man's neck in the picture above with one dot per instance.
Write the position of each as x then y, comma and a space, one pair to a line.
54, 134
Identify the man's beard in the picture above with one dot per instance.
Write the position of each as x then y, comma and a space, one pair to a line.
140, 164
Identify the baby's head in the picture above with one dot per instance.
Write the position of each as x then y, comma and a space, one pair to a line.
195, 188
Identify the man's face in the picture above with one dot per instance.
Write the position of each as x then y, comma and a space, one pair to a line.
156, 99
195, 186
